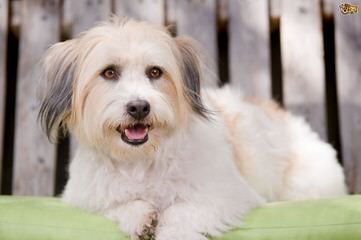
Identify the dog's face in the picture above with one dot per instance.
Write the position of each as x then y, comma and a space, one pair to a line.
122, 87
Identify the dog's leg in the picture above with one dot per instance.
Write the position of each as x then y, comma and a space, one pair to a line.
184, 221
138, 218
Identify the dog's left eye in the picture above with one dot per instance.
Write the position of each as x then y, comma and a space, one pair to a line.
154, 72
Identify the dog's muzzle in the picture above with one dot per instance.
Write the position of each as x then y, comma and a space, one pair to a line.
136, 133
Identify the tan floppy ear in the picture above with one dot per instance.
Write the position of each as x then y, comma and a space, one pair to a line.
190, 64
57, 72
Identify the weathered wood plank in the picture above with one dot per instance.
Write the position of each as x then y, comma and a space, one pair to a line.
148, 10
170, 12
83, 14
3, 43
34, 156
302, 61
348, 69
249, 47
198, 20
80, 16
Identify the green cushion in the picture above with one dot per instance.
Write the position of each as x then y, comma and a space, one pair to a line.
29, 218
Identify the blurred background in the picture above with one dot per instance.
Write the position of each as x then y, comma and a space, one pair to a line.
305, 54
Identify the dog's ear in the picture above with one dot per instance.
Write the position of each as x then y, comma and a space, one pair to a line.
57, 73
190, 64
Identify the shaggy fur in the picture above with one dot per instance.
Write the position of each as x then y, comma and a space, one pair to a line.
210, 156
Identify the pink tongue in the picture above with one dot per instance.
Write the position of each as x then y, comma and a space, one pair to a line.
136, 133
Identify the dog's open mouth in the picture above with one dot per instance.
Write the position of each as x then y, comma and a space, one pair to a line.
136, 134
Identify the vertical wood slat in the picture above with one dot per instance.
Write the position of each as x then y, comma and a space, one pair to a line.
34, 156
249, 46
82, 15
148, 10
198, 20
3, 44
302, 61
170, 12
348, 64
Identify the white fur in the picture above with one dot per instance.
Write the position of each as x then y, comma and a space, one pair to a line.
186, 173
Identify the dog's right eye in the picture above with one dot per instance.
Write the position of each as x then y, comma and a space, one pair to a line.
110, 73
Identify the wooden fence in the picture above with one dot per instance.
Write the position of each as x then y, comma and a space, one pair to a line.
304, 53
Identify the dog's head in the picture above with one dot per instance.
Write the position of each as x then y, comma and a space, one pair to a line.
121, 87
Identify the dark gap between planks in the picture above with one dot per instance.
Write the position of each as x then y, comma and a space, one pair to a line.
61, 168
10, 103
222, 48
276, 61
332, 112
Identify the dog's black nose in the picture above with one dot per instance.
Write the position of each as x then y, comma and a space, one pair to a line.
138, 109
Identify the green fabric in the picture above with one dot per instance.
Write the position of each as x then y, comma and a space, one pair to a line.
328, 219
34, 218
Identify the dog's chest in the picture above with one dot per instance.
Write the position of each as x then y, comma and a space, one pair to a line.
160, 186
158, 190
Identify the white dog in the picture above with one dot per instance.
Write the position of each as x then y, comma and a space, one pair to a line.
158, 155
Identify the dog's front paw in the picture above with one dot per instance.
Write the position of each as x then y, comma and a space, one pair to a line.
146, 229
137, 218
